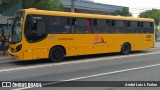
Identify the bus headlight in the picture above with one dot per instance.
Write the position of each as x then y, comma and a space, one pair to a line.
19, 47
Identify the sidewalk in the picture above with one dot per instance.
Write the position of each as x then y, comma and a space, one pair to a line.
157, 44
1, 54
3, 57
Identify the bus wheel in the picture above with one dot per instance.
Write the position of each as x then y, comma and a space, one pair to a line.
56, 54
126, 48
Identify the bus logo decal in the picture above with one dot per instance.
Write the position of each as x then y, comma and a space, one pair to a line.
99, 40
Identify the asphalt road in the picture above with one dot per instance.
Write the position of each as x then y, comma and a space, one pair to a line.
138, 66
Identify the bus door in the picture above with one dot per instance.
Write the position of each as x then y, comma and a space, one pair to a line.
36, 35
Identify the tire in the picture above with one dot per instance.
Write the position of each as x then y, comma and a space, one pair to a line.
56, 54
126, 49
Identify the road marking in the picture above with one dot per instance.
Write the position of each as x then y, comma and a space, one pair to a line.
106, 58
75, 62
95, 75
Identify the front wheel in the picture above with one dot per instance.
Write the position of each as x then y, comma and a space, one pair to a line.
126, 48
56, 54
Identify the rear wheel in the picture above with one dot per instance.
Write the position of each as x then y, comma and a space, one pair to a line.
126, 48
56, 54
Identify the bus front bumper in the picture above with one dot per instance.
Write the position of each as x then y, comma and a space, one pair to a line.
16, 55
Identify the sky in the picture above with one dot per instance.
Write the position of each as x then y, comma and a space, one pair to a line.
135, 6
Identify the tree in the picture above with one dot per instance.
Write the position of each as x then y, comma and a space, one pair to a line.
123, 12
7, 4
39, 4
49, 5
43, 4
154, 13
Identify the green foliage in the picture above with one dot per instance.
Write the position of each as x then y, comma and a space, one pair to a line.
7, 4
123, 12
154, 13
39, 4
49, 5
43, 4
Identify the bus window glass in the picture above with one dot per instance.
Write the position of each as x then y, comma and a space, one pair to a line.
101, 23
151, 24
59, 25
112, 23
142, 24
16, 30
94, 22
35, 28
81, 22
128, 23
119, 23
108, 23
138, 24
73, 21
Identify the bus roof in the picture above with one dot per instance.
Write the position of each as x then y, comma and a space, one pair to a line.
84, 15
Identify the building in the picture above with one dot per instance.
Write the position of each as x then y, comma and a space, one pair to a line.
88, 6
83, 6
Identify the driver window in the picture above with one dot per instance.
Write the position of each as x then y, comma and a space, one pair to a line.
35, 28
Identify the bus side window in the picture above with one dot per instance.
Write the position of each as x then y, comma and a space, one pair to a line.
73, 23
101, 24
146, 28
67, 26
112, 23
94, 22
142, 24
35, 28
68, 21
94, 25
128, 27
128, 24
151, 27
119, 26
108, 23
142, 27
151, 24
41, 27
80, 25
112, 26
138, 27
133, 27
88, 24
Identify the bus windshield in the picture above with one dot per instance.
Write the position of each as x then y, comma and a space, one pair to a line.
16, 32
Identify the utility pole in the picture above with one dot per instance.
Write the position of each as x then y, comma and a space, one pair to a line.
72, 5
0, 6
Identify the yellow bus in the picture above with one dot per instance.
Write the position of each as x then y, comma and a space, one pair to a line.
40, 34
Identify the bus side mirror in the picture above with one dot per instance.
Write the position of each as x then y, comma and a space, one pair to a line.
41, 27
